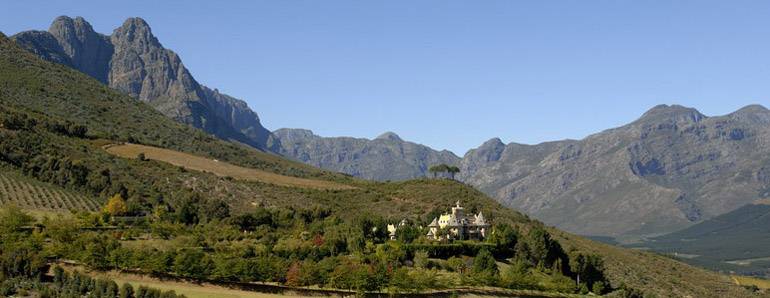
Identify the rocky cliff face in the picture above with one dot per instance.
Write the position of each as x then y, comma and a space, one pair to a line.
665, 171
386, 157
134, 61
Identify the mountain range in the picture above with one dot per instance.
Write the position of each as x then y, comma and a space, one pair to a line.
670, 169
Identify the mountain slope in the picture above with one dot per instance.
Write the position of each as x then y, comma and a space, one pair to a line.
735, 241
665, 171
53, 124
386, 157
132, 60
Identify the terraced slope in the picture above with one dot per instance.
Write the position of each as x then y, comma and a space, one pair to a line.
31, 194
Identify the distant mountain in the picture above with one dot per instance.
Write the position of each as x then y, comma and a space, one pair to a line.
735, 241
386, 157
669, 169
132, 60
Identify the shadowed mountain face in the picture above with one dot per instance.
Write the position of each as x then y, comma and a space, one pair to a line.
132, 60
386, 157
669, 169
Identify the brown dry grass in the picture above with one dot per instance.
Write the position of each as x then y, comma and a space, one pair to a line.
761, 283
219, 168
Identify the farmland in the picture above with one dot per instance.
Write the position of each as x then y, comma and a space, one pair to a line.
219, 168
30, 194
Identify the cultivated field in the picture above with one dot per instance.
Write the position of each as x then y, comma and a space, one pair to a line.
191, 290
219, 168
30, 194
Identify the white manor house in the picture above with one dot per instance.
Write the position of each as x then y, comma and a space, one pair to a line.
458, 226
452, 226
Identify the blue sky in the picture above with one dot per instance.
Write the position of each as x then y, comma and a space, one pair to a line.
452, 74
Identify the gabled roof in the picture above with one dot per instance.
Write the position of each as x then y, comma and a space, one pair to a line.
434, 223
480, 220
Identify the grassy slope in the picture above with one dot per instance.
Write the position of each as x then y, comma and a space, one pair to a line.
658, 274
219, 168
33, 85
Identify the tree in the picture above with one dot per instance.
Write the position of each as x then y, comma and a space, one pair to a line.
440, 168
589, 270
421, 259
141, 157
484, 263
505, 237
452, 171
116, 206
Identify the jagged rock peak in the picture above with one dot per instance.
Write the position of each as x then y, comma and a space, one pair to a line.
68, 22
71, 31
672, 112
135, 29
392, 136
493, 142
488, 151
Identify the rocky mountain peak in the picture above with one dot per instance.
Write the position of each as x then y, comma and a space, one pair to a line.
674, 113
389, 136
68, 29
492, 143
87, 50
135, 31
752, 114
753, 109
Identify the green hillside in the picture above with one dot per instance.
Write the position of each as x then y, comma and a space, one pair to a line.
54, 123
15, 189
736, 241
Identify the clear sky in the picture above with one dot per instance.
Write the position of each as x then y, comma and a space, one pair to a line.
452, 74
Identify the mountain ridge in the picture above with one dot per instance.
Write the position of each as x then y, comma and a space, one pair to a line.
134, 61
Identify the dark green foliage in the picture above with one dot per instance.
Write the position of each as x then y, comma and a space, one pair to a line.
445, 251
192, 263
484, 263
126, 291
484, 270
539, 249
505, 238
444, 168
589, 271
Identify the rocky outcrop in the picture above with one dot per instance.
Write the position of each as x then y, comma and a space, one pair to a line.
134, 61
386, 157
